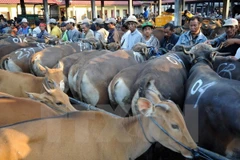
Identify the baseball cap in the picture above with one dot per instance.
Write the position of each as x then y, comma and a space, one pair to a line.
230, 22
63, 24
42, 25
70, 21
99, 21
53, 21
147, 24
111, 20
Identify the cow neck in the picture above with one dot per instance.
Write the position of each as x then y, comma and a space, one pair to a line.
138, 142
202, 60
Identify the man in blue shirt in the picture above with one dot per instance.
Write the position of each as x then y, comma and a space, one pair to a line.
169, 40
194, 35
113, 35
43, 33
24, 27
146, 13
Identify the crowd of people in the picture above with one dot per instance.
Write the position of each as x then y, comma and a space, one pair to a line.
107, 32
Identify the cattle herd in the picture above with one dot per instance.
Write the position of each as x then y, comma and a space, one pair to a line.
182, 100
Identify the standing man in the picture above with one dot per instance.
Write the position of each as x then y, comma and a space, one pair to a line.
88, 33
73, 33
24, 29
135, 36
64, 31
43, 33
148, 37
55, 30
126, 31
101, 33
169, 40
36, 30
113, 33
194, 35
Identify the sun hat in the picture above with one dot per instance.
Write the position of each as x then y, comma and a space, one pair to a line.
230, 22
99, 21
111, 20
24, 20
131, 19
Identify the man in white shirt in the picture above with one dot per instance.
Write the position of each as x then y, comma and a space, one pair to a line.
37, 29
135, 36
101, 33
124, 39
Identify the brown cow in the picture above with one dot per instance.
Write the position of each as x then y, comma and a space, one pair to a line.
16, 109
77, 67
17, 83
18, 61
6, 49
93, 135
95, 76
50, 56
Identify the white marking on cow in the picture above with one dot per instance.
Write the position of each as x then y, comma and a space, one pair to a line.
175, 59
89, 93
11, 66
15, 40
138, 57
121, 94
62, 85
25, 52
197, 87
226, 69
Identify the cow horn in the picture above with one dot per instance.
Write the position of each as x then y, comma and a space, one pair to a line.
46, 89
217, 48
185, 51
60, 65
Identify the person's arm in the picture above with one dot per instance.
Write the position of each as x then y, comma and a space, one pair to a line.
75, 36
231, 41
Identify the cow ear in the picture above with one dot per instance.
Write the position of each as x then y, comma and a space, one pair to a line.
145, 107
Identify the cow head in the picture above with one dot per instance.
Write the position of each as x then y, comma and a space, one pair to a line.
55, 74
203, 52
111, 46
167, 115
54, 97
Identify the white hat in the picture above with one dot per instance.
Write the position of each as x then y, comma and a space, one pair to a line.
86, 20
111, 20
52, 20
70, 21
230, 22
24, 20
99, 21
131, 19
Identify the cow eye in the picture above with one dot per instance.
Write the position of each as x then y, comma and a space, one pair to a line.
59, 103
175, 126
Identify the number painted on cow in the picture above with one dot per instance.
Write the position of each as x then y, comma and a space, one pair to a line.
196, 86
25, 52
175, 59
15, 40
201, 89
225, 70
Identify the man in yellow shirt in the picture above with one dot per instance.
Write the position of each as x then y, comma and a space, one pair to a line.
55, 30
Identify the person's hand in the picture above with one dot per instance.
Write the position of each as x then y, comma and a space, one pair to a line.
208, 42
229, 42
